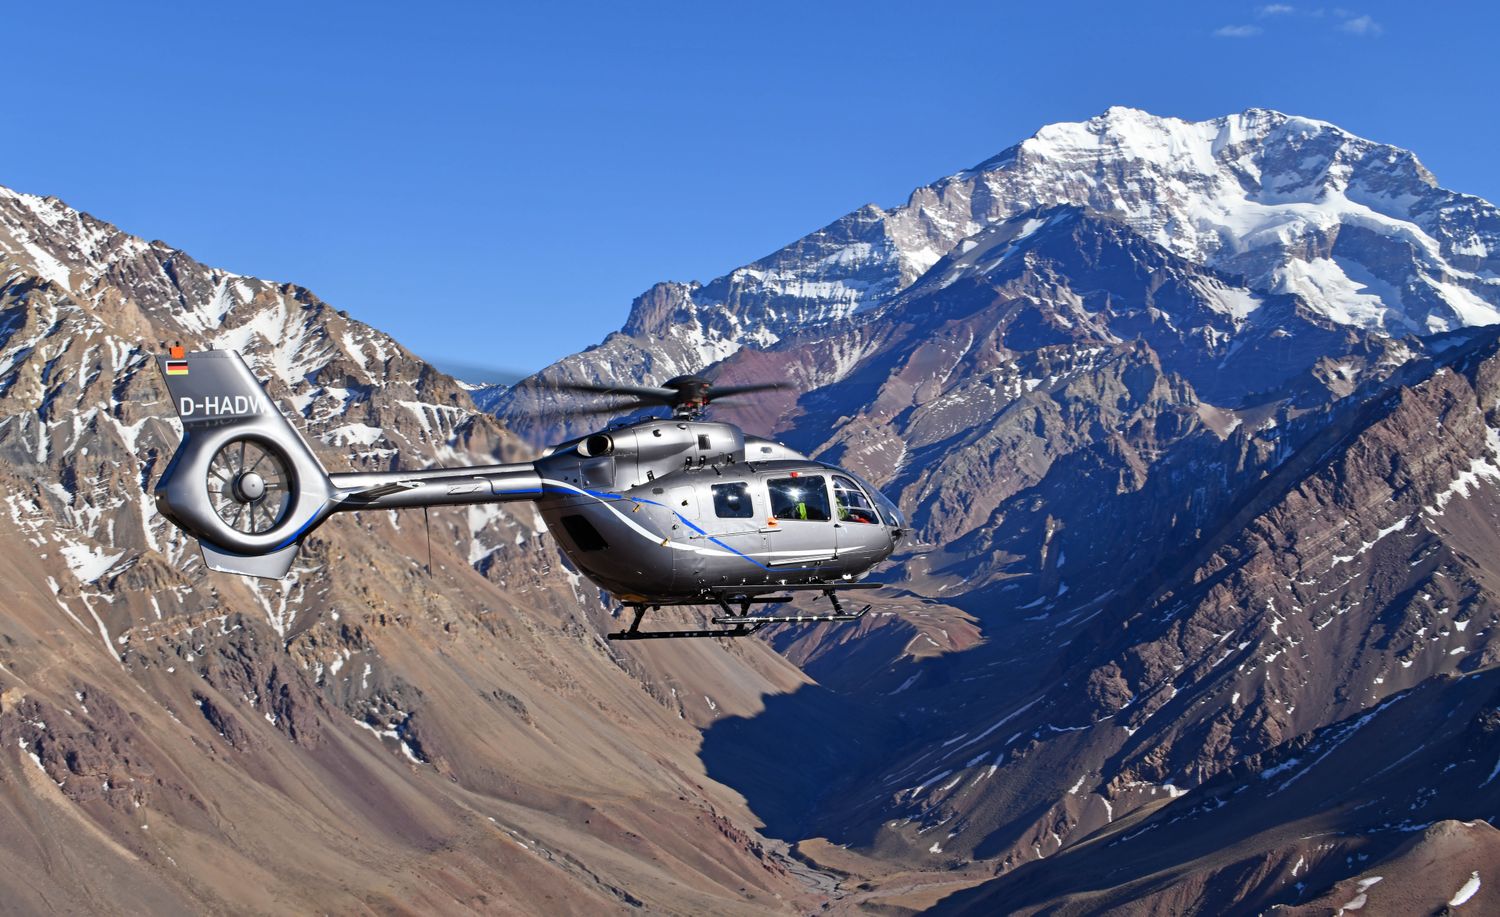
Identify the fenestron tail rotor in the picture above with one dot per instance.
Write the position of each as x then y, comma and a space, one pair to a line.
250, 486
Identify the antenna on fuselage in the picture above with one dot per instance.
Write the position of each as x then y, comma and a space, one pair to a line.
427, 521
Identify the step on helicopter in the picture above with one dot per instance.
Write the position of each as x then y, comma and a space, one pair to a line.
666, 511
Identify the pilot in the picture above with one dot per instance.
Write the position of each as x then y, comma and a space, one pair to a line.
797, 510
849, 515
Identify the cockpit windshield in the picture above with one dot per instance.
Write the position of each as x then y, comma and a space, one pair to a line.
851, 503
889, 514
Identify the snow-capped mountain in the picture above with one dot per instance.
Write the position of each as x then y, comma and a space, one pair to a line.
1278, 205
1358, 229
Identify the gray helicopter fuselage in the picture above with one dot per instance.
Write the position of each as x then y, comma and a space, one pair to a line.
663, 510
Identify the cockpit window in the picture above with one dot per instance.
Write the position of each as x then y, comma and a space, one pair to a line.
803, 497
889, 514
851, 502
732, 501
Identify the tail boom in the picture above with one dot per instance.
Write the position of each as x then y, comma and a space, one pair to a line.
246, 484
437, 487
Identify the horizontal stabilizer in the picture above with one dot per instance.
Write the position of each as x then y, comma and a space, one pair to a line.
270, 566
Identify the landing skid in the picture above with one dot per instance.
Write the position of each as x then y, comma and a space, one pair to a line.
743, 623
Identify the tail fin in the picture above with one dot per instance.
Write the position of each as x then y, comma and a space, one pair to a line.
243, 481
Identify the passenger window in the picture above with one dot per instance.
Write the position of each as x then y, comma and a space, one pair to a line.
732, 501
852, 504
799, 498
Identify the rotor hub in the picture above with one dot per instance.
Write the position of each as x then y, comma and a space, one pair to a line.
248, 487
687, 396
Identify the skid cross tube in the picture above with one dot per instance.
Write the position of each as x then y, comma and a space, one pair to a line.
634, 632
741, 623
839, 614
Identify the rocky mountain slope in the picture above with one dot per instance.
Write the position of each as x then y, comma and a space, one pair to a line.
363, 735
1195, 424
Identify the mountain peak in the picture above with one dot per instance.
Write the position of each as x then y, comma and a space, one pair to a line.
1295, 204
1277, 204
1135, 134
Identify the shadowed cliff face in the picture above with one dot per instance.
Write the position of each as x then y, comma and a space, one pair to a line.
1380, 805
1165, 589
1168, 591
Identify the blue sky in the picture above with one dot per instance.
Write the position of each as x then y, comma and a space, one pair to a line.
494, 184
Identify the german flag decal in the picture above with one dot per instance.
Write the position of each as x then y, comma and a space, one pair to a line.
177, 368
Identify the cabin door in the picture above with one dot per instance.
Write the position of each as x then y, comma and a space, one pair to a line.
688, 564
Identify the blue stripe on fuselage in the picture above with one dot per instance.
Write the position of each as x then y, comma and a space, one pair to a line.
605, 495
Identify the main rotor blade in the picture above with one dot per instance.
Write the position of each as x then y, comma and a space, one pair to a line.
723, 391
256, 464
595, 410
644, 392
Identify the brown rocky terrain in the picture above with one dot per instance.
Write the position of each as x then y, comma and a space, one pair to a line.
1196, 427
362, 735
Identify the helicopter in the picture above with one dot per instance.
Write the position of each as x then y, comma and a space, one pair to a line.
663, 511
